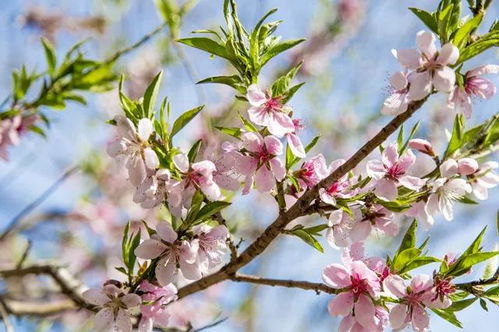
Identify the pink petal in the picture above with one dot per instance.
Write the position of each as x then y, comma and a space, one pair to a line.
95, 296
136, 170
448, 168
145, 129
360, 231
467, 166
252, 142
273, 145
125, 127
420, 85
412, 182
364, 312
386, 189
375, 169
278, 168
448, 55
420, 319
211, 190
123, 321
395, 285
399, 80
398, 316
264, 180
150, 158
259, 116
166, 231
336, 276
426, 43
346, 324
395, 104
483, 70
165, 271
296, 145
444, 79
116, 147
104, 319
182, 162
341, 304
408, 58
190, 271
255, 96
131, 300
280, 124
390, 155
150, 249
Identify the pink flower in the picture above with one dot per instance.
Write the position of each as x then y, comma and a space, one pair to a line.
484, 179
420, 294
226, 174
153, 311
446, 190
422, 146
339, 189
259, 162
312, 171
397, 102
294, 141
390, 172
419, 210
172, 252
430, 66
194, 176
133, 144
360, 285
113, 315
212, 245
11, 130
460, 98
374, 218
269, 112
340, 226
467, 166
153, 190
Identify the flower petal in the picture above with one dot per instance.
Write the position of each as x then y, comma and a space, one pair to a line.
166, 231
104, 319
95, 296
150, 249
336, 276
341, 304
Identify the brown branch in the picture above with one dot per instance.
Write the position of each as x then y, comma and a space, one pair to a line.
301, 205
68, 284
37, 308
5, 317
317, 287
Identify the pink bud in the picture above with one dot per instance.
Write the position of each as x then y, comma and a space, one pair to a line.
422, 145
467, 166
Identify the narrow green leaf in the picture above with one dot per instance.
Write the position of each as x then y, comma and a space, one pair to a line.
184, 119
279, 48
207, 45
193, 152
426, 18
151, 95
448, 316
409, 239
50, 55
463, 34
308, 239
210, 209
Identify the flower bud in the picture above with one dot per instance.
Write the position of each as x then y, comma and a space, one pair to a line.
467, 166
422, 145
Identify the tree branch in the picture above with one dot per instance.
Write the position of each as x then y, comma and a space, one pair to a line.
68, 284
317, 287
274, 229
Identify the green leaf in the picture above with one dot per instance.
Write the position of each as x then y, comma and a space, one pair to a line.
50, 55
463, 34
233, 81
207, 45
467, 200
426, 18
151, 95
232, 131
247, 125
308, 239
448, 316
485, 42
460, 305
279, 48
444, 23
418, 262
193, 152
409, 239
456, 139
475, 245
184, 119
404, 258
400, 139
210, 209
411, 135
464, 264
483, 304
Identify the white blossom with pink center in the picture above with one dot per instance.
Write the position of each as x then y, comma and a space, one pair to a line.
420, 294
484, 179
269, 112
359, 285
153, 191
212, 245
194, 176
398, 101
132, 144
258, 162
390, 173
339, 188
446, 190
153, 309
312, 171
430, 66
172, 253
114, 313
460, 98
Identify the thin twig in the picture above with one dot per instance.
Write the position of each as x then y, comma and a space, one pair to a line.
25, 255
39, 200
5, 317
317, 287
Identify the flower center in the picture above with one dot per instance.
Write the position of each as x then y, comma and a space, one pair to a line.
359, 285
394, 172
273, 105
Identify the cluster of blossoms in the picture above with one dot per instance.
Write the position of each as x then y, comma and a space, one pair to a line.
428, 68
11, 129
361, 282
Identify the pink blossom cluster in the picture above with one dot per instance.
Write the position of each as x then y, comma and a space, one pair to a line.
11, 130
428, 68
361, 282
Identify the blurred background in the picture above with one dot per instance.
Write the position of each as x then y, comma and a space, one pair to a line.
347, 64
